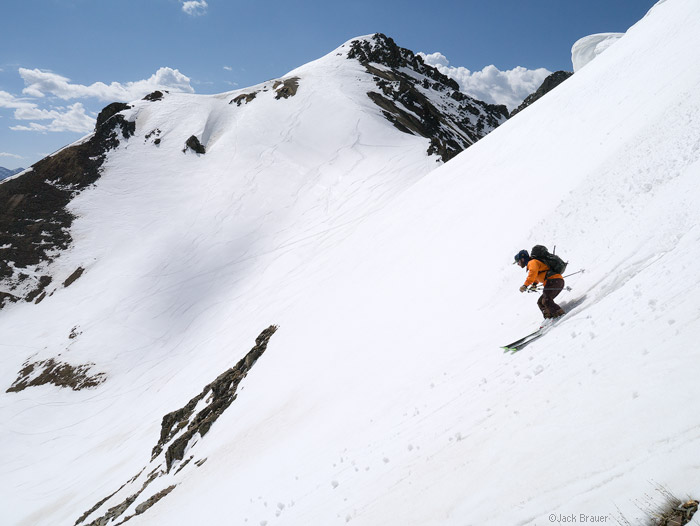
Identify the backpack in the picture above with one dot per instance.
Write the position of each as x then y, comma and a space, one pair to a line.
556, 264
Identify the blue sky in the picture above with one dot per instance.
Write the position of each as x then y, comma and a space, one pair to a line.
61, 61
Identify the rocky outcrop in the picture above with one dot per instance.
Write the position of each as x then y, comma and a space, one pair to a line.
286, 88
244, 98
73, 277
34, 219
155, 96
420, 100
551, 82
193, 144
181, 430
180, 427
60, 374
283, 89
154, 136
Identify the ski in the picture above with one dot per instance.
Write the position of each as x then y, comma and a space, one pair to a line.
527, 340
522, 342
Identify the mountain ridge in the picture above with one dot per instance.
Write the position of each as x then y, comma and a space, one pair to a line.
434, 110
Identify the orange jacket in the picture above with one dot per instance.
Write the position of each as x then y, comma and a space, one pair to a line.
536, 272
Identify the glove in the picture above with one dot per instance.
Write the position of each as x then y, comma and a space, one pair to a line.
523, 288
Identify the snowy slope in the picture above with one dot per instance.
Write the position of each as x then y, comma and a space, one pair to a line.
383, 397
181, 249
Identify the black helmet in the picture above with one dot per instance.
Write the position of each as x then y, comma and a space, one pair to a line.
522, 255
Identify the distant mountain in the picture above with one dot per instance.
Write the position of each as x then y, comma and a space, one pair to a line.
6, 172
551, 82
404, 93
418, 99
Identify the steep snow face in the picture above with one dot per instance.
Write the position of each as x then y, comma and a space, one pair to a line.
587, 48
383, 397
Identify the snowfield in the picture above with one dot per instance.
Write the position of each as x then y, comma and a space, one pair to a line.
383, 397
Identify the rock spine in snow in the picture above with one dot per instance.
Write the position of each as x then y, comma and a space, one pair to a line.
180, 431
193, 144
219, 395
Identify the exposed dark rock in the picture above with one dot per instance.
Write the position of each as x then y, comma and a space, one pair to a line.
218, 395
73, 277
420, 100
183, 464
245, 97
34, 219
286, 88
6, 297
60, 374
551, 82
155, 96
110, 111
96, 506
383, 50
193, 144
44, 281
144, 506
115, 512
221, 392
154, 133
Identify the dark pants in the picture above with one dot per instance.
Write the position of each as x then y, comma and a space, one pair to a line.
552, 288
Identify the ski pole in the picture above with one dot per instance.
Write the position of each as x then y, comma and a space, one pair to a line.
539, 288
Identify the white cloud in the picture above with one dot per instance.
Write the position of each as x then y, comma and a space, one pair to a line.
228, 68
70, 119
11, 155
491, 85
435, 59
73, 118
41, 83
41, 87
7, 100
195, 7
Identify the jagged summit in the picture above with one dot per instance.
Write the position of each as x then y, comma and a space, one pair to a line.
381, 49
418, 99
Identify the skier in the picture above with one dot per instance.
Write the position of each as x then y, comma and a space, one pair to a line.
537, 273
